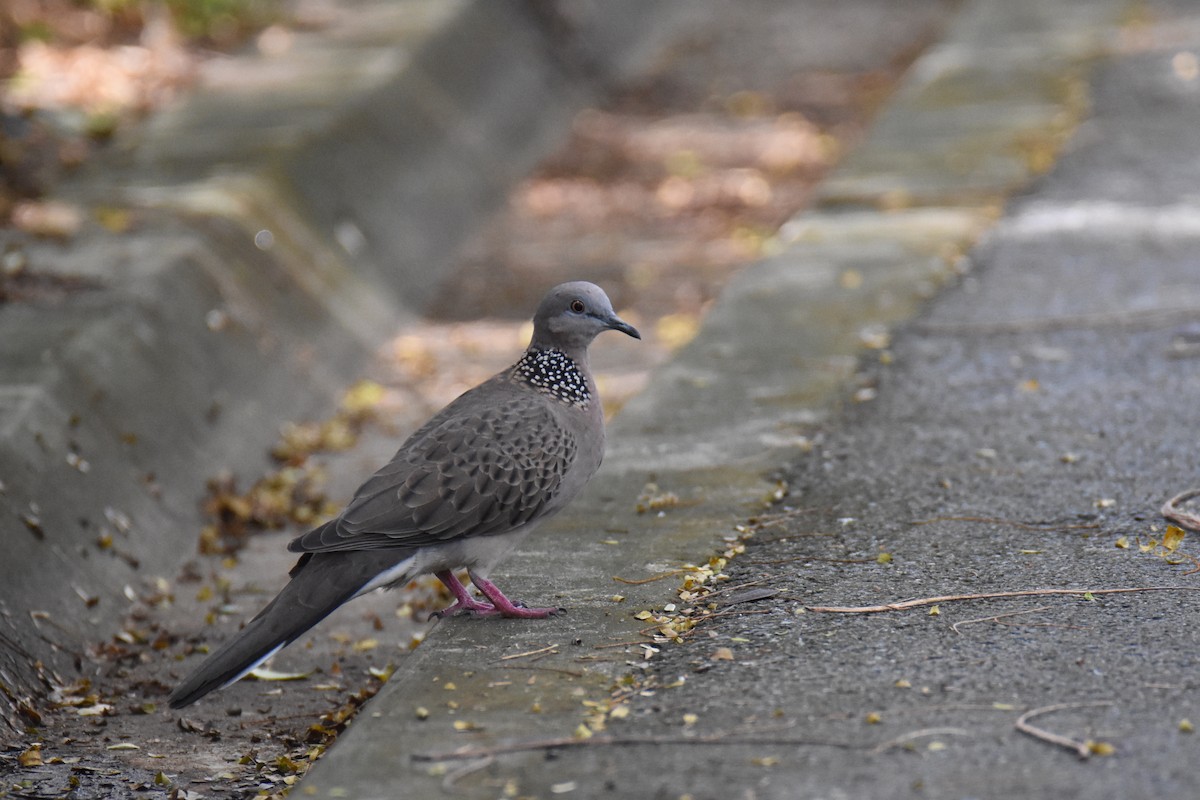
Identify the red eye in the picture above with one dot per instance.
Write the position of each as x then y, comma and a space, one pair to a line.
577, 306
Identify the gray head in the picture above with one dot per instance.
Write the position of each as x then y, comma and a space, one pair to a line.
572, 314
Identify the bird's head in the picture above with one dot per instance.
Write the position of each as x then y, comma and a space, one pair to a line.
572, 314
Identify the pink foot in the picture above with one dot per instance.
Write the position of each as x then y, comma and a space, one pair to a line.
503, 606
463, 602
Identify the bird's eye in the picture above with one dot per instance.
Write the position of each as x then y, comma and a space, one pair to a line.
577, 306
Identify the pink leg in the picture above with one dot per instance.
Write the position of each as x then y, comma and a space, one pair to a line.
503, 606
462, 598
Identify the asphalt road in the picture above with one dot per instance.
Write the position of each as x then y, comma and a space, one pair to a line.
1028, 427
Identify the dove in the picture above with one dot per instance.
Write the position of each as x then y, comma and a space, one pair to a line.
460, 493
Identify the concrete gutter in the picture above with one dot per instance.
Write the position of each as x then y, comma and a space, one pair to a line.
979, 116
286, 215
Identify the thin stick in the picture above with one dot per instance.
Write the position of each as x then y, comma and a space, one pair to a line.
734, 588
630, 582
550, 648
905, 738
625, 741
1038, 526
1182, 518
1081, 749
949, 598
573, 673
995, 617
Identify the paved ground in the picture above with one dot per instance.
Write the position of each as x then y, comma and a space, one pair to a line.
1018, 433
260, 736
832, 438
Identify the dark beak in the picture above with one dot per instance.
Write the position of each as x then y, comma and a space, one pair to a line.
618, 324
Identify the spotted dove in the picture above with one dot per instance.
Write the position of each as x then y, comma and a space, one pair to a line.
460, 494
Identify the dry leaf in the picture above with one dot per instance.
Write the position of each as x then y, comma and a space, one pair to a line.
265, 674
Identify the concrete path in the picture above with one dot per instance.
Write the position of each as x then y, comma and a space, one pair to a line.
270, 229
831, 439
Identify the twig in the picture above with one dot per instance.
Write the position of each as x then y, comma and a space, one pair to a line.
573, 673
905, 738
670, 574
1081, 749
771, 520
547, 649
949, 598
627, 741
733, 588
1174, 513
995, 617
1037, 526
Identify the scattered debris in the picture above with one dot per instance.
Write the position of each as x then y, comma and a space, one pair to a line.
1083, 749
929, 601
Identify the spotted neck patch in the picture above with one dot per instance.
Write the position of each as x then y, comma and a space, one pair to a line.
553, 372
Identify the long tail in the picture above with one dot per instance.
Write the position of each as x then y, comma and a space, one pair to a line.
320, 583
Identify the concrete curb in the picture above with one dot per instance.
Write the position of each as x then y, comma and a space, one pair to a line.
777, 352
195, 335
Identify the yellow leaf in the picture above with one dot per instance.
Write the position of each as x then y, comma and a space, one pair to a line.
935, 611
620, 712
1100, 748
765, 761
883, 558
903, 683
874, 718
1123, 542
1173, 538
722, 654
690, 719
363, 396
116, 220
464, 725
1186, 726
31, 757
643, 615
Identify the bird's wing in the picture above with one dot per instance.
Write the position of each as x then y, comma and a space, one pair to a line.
469, 471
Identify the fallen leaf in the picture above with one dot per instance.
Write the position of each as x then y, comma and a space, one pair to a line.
1173, 538
266, 674
31, 757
